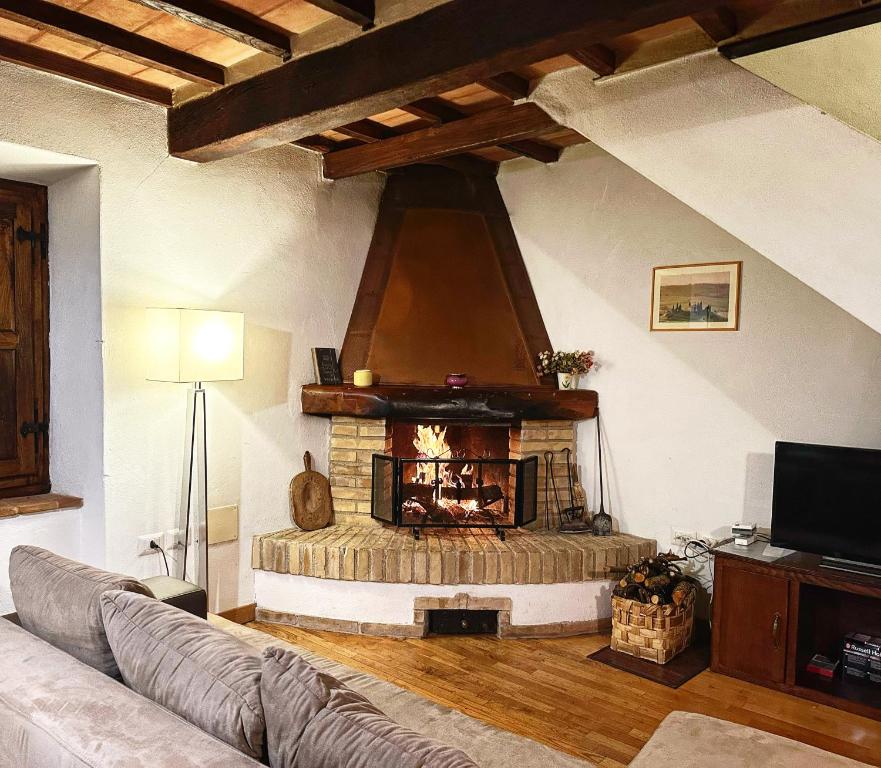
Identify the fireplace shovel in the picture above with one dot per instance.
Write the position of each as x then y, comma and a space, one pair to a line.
572, 517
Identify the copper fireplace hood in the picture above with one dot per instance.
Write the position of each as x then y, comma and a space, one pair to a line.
445, 289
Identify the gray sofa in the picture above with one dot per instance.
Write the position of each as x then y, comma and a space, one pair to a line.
56, 711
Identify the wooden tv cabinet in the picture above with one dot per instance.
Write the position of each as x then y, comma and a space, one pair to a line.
770, 616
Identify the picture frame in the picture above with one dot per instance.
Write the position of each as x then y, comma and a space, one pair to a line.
326, 366
696, 297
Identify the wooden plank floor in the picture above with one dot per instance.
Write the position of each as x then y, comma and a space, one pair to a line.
547, 690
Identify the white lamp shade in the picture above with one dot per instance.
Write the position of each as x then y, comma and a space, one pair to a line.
188, 345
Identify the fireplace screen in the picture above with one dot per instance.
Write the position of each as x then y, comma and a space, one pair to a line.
454, 492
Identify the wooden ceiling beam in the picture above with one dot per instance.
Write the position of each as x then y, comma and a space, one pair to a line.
360, 12
88, 30
485, 129
319, 143
366, 130
507, 84
230, 21
398, 64
719, 23
433, 110
800, 33
543, 153
438, 111
48, 61
598, 58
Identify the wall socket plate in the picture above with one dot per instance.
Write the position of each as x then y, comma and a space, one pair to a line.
144, 543
679, 537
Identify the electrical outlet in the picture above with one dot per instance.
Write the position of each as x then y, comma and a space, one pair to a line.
172, 539
708, 538
144, 543
680, 537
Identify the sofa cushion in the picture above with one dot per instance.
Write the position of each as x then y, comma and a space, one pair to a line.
59, 600
314, 721
488, 746
183, 663
56, 712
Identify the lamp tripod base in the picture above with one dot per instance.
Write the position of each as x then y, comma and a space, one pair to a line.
192, 521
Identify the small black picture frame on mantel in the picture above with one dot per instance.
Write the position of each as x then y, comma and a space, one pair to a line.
327, 368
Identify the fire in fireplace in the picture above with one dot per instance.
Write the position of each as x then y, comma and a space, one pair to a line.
452, 475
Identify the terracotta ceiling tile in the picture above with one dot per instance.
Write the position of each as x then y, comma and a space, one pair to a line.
123, 13
397, 117
475, 98
297, 16
116, 63
161, 78
177, 32
256, 7
72, 4
223, 50
15, 31
546, 66
63, 46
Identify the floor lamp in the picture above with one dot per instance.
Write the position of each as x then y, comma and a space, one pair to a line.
194, 346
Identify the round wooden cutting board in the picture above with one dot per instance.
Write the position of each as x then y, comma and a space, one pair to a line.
311, 507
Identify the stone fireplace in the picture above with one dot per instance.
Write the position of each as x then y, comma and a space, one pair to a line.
439, 494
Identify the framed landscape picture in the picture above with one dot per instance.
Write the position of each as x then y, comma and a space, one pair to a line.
696, 297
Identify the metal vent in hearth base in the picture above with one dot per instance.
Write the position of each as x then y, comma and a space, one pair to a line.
456, 622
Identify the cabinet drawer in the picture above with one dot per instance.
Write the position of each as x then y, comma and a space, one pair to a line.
750, 622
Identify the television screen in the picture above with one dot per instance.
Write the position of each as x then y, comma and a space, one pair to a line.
827, 500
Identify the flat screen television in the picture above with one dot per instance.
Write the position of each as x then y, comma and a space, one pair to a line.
827, 500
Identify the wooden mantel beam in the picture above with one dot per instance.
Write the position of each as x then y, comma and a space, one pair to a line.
228, 20
449, 46
485, 129
86, 29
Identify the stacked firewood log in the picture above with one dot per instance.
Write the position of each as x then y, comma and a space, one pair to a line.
657, 580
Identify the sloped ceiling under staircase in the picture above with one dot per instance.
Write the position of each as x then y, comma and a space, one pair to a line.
794, 183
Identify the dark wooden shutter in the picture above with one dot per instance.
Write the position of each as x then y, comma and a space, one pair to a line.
24, 340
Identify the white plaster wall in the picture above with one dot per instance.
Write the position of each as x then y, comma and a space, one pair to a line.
261, 234
57, 531
375, 602
690, 418
792, 182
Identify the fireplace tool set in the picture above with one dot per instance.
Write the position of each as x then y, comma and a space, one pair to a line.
573, 518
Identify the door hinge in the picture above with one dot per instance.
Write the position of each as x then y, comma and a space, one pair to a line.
33, 237
34, 428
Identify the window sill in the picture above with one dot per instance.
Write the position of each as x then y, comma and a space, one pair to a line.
32, 505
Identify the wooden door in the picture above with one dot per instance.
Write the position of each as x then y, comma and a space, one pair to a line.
24, 452
750, 609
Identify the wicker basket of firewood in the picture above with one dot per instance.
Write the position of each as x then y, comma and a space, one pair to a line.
653, 610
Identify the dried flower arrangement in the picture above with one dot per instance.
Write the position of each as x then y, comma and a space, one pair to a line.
573, 363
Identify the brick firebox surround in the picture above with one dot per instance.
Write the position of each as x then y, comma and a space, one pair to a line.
353, 441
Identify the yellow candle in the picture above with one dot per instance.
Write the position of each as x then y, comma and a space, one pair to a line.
363, 378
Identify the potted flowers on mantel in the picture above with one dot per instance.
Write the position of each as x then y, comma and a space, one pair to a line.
567, 365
